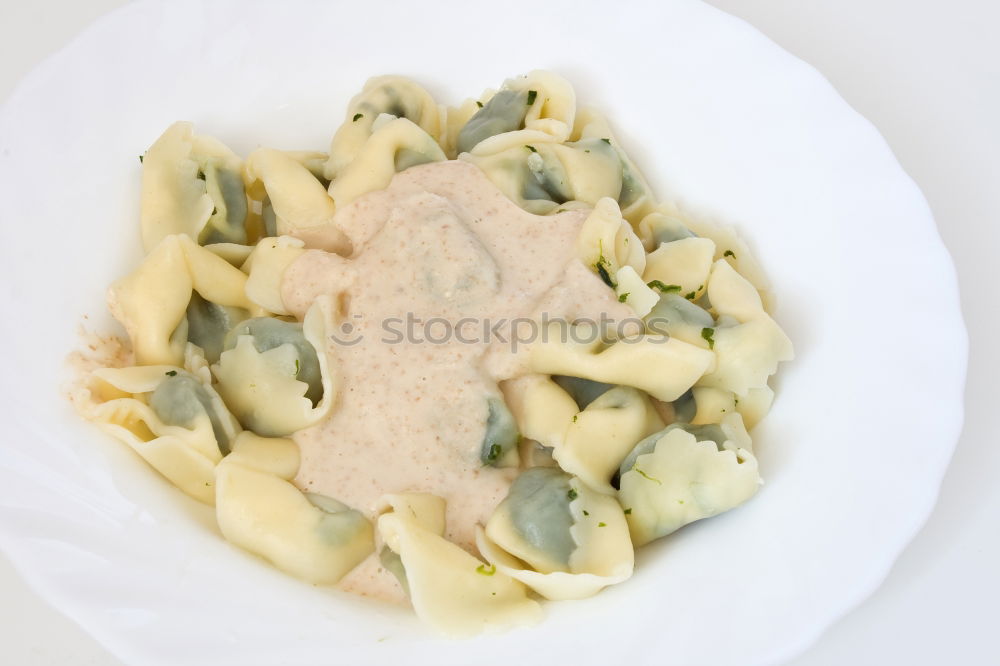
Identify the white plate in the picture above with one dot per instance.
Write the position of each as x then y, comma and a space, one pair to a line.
716, 115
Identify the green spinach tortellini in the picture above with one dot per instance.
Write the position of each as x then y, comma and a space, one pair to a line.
274, 374
558, 536
192, 185
170, 416
685, 473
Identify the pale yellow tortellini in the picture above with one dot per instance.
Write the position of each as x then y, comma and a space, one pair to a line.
265, 268
313, 537
299, 202
588, 441
685, 473
685, 262
713, 405
660, 365
634, 291
607, 243
394, 145
537, 107
155, 301
558, 536
170, 416
275, 375
191, 185
635, 198
748, 343
449, 589
384, 95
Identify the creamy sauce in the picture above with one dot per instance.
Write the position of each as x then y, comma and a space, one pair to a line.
440, 242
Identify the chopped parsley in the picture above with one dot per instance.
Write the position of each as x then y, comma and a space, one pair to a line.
586, 513
357, 117
171, 373
628, 511
607, 141
602, 266
201, 175
602, 524
665, 288
479, 104
531, 149
296, 367
494, 454
646, 476
141, 158
729, 253
623, 297
586, 150
486, 571
680, 501
571, 494
690, 295
532, 95
575, 416
706, 334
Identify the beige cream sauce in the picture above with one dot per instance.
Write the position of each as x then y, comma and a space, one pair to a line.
440, 241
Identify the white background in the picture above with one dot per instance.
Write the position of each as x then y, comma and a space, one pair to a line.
927, 73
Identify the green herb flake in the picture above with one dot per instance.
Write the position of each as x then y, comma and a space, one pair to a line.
586, 513
479, 104
171, 373
729, 253
531, 149
297, 367
605, 275
628, 511
665, 288
494, 454
575, 417
486, 571
586, 150
646, 476
680, 501
141, 158
201, 175
623, 297
706, 334
690, 295
357, 117
571, 494
602, 524
532, 95
607, 141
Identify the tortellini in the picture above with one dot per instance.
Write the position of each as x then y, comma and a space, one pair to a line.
313, 537
192, 185
558, 536
589, 434
295, 197
155, 304
539, 106
395, 144
384, 95
274, 374
173, 418
748, 343
265, 268
449, 589
607, 243
678, 365
685, 473
606, 438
